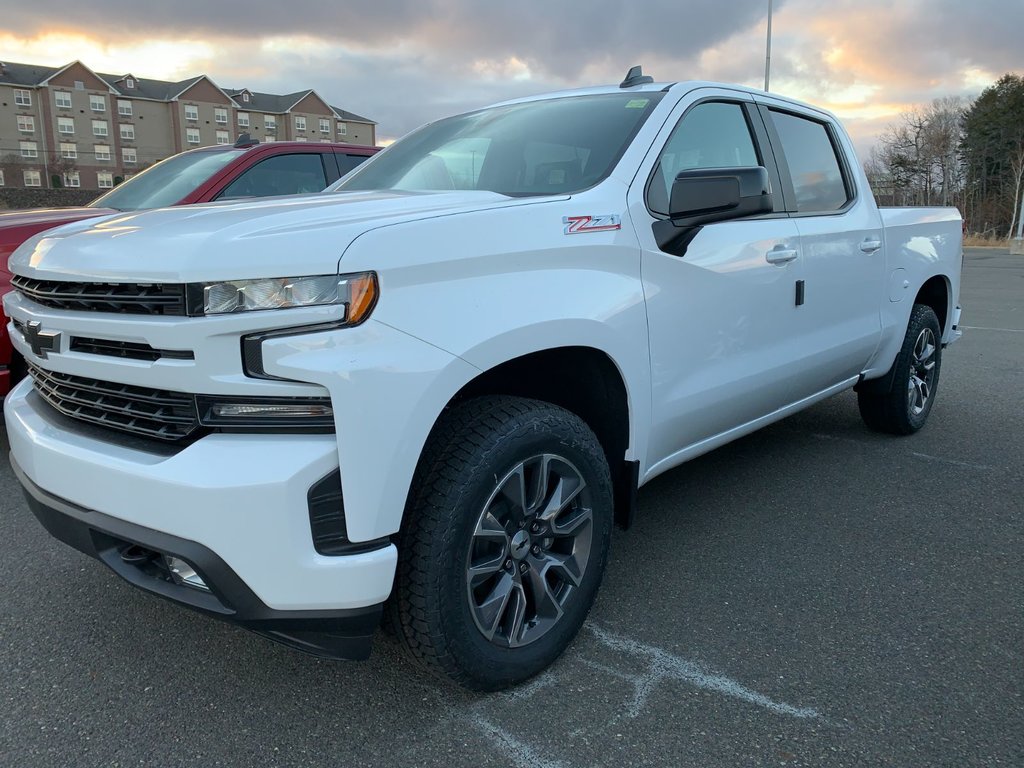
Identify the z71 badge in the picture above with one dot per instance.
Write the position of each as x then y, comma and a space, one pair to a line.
577, 225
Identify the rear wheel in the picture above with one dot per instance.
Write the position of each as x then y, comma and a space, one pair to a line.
505, 543
903, 408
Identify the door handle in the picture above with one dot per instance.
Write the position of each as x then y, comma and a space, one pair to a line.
870, 246
780, 255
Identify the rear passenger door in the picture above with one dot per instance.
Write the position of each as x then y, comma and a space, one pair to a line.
840, 242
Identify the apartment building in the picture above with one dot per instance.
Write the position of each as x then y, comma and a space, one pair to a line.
72, 127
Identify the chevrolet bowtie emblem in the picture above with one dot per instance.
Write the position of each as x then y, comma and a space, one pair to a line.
41, 341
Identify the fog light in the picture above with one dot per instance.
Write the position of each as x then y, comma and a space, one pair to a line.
272, 410
184, 574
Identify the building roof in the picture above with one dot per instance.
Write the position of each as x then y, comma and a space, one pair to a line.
344, 114
12, 73
267, 102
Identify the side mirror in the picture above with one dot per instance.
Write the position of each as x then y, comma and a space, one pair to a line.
704, 195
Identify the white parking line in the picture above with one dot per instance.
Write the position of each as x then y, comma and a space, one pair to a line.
664, 666
982, 328
516, 750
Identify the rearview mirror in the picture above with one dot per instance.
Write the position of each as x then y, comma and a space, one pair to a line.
704, 195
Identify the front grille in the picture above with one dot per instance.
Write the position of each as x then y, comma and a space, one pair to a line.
132, 350
155, 413
128, 298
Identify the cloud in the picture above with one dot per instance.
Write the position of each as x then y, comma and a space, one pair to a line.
405, 62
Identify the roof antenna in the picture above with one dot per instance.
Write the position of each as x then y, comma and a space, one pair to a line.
635, 76
245, 140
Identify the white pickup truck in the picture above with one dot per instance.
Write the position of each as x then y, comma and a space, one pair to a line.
430, 391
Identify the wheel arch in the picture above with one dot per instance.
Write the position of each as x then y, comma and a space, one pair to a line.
585, 381
935, 293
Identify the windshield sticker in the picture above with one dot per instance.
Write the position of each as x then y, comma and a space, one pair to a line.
577, 225
637, 103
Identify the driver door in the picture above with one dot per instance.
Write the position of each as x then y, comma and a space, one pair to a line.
721, 307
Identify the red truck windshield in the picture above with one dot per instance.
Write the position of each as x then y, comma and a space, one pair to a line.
167, 182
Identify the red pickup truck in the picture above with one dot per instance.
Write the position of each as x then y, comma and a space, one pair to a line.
243, 170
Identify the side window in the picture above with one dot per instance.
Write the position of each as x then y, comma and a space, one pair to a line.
711, 135
279, 175
813, 164
347, 162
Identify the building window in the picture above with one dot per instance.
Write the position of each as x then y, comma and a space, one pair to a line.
243, 119
300, 123
191, 112
129, 83
72, 179
1, 177
22, 98
325, 141
28, 149
32, 179
69, 150
220, 115
26, 124
325, 126
343, 129
270, 122
245, 97
129, 155
62, 99
124, 108
268, 139
128, 131
79, 85
105, 180
97, 103
192, 135
66, 125
223, 137
99, 128
102, 151
301, 138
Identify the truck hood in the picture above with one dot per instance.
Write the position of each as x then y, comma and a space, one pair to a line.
271, 237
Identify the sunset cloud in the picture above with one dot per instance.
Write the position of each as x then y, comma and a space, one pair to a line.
404, 62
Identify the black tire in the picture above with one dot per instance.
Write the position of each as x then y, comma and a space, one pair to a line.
902, 405
460, 485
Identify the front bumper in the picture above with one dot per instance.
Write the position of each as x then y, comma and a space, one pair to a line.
240, 496
336, 634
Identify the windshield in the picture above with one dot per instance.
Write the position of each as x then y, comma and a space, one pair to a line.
167, 182
552, 147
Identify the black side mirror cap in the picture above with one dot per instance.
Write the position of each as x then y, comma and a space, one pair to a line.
705, 195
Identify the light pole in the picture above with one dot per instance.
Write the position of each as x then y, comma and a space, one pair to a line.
768, 48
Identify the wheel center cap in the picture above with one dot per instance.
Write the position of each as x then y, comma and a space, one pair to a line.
520, 545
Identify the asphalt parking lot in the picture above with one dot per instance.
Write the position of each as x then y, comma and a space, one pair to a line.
812, 595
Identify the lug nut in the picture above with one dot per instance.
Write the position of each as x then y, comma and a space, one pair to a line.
508, 564
535, 549
535, 527
523, 567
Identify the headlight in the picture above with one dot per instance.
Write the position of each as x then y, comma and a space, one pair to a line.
358, 293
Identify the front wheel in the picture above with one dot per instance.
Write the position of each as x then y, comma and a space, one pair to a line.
903, 408
505, 542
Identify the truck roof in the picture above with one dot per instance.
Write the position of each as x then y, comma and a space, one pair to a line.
678, 87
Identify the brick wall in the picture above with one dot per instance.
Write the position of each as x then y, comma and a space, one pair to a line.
45, 198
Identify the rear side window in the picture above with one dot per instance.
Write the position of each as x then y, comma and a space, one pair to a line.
813, 163
279, 175
347, 162
710, 135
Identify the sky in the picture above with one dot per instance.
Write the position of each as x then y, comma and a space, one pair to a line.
406, 62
